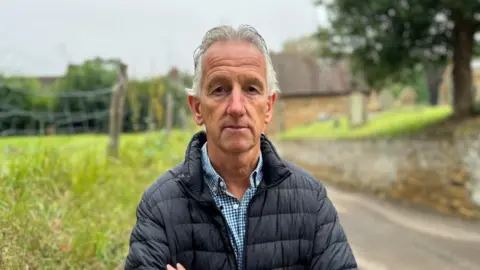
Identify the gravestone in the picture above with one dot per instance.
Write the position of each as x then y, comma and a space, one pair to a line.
408, 97
386, 100
373, 103
445, 94
357, 109
445, 90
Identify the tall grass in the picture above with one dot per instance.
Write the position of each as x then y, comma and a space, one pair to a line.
64, 205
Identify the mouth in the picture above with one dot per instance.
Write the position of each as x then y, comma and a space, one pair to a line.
236, 127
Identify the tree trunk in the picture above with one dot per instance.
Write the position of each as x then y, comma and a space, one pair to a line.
462, 72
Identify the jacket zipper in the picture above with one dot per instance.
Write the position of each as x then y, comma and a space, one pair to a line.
225, 224
247, 223
226, 237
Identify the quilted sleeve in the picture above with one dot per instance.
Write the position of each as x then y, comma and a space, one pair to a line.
148, 241
331, 249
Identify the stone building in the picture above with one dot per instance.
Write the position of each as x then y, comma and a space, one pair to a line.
309, 89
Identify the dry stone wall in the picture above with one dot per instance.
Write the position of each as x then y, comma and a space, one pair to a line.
443, 174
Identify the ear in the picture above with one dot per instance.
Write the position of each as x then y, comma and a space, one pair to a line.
271, 101
194, 104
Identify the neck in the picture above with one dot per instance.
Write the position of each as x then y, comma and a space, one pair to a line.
236, 168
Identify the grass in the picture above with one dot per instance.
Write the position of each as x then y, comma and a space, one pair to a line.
64, 205
391, 123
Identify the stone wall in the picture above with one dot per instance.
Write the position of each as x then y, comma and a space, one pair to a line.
443, 174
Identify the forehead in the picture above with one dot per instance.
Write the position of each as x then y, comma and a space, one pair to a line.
234, 56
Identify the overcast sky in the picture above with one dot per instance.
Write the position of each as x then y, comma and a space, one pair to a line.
40, 37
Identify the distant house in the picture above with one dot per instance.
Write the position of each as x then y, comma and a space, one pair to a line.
311, 88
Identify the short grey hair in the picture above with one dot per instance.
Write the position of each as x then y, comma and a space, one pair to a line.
224, 33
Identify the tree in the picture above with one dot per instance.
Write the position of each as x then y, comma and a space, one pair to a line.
397, 35
335, 45
17, 94
92, 74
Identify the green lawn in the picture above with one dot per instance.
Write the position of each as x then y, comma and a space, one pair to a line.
391, 123
63, 205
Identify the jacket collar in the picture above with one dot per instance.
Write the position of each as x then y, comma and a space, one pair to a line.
274, 170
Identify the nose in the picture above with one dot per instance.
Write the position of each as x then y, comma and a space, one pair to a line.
236, 102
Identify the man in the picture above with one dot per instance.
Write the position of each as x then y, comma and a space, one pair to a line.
234, 203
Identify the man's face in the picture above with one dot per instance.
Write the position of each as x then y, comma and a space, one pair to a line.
234, 104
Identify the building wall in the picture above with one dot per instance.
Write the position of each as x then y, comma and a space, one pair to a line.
297, 111
291, 112
300, 111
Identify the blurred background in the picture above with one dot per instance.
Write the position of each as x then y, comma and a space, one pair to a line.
380, 100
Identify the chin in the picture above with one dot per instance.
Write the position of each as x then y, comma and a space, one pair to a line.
237, 146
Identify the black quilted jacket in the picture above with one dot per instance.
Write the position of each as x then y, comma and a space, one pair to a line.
291, 222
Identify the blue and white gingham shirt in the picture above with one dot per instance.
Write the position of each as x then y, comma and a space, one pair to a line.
234, 211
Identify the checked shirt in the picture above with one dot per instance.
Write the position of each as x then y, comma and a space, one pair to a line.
233, 210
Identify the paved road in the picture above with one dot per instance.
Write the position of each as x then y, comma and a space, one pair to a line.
386, 236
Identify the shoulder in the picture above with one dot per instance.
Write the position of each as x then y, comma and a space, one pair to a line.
303, 179
166, 187
315, 196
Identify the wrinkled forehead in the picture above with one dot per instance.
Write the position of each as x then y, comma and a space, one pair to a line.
234, 54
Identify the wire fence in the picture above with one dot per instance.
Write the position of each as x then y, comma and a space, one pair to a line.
27, 112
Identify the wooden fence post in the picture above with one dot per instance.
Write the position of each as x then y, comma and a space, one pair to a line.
116, 111
169, 115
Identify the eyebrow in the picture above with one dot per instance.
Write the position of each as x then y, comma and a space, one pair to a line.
252, 80
244, 79
217, 80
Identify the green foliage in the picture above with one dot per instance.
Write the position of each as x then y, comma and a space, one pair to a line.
147, 99
73, 208
21, 82
396, 89
142, 97
392, 123
187, 79
419, 84
24, 100
177, 90
415, 79
90, 75
29, 98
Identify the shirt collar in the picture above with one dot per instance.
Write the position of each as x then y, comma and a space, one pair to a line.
215, 181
